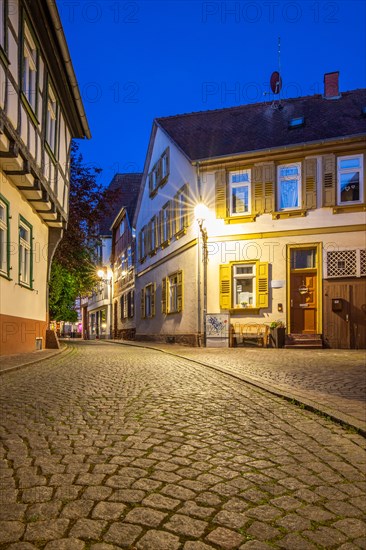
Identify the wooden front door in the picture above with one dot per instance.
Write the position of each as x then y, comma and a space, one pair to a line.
303, 303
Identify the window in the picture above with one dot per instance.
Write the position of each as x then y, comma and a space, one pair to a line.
181, 210
165, 223
51, 121
122, 227
129, 257
148, 301
30, 61
240, 184
350, 176
244, 285
4, 237
124, 307
142, 244
289, 186
172, 293
164, 166
131, 304
25, 253
153, 229
303, 258
159, 173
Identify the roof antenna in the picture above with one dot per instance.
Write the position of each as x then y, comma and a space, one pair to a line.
276, 81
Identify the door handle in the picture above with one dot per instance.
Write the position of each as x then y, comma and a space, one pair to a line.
347, 318
291, 303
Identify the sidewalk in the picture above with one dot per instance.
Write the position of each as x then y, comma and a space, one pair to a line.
332, 382
20, 360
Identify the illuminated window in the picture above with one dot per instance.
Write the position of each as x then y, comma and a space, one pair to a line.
350, 176
289, 186
240, 186
244, 285
51, 121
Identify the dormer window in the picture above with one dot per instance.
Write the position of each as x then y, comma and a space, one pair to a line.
297, 122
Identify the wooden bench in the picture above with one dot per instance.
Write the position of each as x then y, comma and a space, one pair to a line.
254, 332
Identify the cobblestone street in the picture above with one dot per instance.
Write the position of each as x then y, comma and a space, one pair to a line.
107, 446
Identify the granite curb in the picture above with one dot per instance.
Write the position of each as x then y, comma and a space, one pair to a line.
293, 396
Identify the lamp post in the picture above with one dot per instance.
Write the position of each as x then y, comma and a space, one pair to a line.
201, 211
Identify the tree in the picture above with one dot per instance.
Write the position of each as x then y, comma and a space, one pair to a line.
73, 267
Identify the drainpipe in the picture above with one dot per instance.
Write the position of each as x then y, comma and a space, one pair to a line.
199, 306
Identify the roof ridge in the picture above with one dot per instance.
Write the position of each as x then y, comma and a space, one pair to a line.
247, 105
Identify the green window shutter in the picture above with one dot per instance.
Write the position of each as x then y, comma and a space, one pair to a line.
220, 194
148, 238
150, 183
164, 286
143, 303
329, 180
225, 286
180, 291
269, 177
169, 211
309, 183
153, 293
257, 193
262, 284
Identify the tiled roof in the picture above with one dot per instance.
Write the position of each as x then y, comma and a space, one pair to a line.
259, 126
125, 189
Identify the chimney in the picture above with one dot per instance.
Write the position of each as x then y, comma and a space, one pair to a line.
331, 86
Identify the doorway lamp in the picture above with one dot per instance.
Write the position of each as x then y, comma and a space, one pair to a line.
200, 214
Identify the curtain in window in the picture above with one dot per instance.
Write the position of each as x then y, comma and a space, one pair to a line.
289, 197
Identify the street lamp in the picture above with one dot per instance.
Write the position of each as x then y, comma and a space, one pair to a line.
201, 212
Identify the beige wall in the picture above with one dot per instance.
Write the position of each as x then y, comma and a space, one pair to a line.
19, 301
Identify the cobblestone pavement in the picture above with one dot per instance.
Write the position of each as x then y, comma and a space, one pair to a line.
107, 446
333, 381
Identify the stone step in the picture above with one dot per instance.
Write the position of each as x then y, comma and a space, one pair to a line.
304, 341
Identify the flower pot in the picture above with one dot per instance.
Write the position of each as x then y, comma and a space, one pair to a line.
277, 337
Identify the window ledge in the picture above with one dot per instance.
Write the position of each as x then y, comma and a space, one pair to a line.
24, 285
241, 219
180, 233
351, 208
289, 214
244, 310
5, 276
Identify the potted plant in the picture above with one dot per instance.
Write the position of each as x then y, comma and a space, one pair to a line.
277, 334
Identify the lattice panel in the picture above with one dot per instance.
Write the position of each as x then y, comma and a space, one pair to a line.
363, 262
342, 263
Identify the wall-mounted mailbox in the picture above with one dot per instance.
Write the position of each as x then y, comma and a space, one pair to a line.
337, 304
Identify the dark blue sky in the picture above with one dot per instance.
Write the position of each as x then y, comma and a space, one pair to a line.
137, 60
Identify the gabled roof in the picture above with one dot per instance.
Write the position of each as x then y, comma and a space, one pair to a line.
125, 189
260, 126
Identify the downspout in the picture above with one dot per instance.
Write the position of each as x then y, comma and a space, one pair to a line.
199, 306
